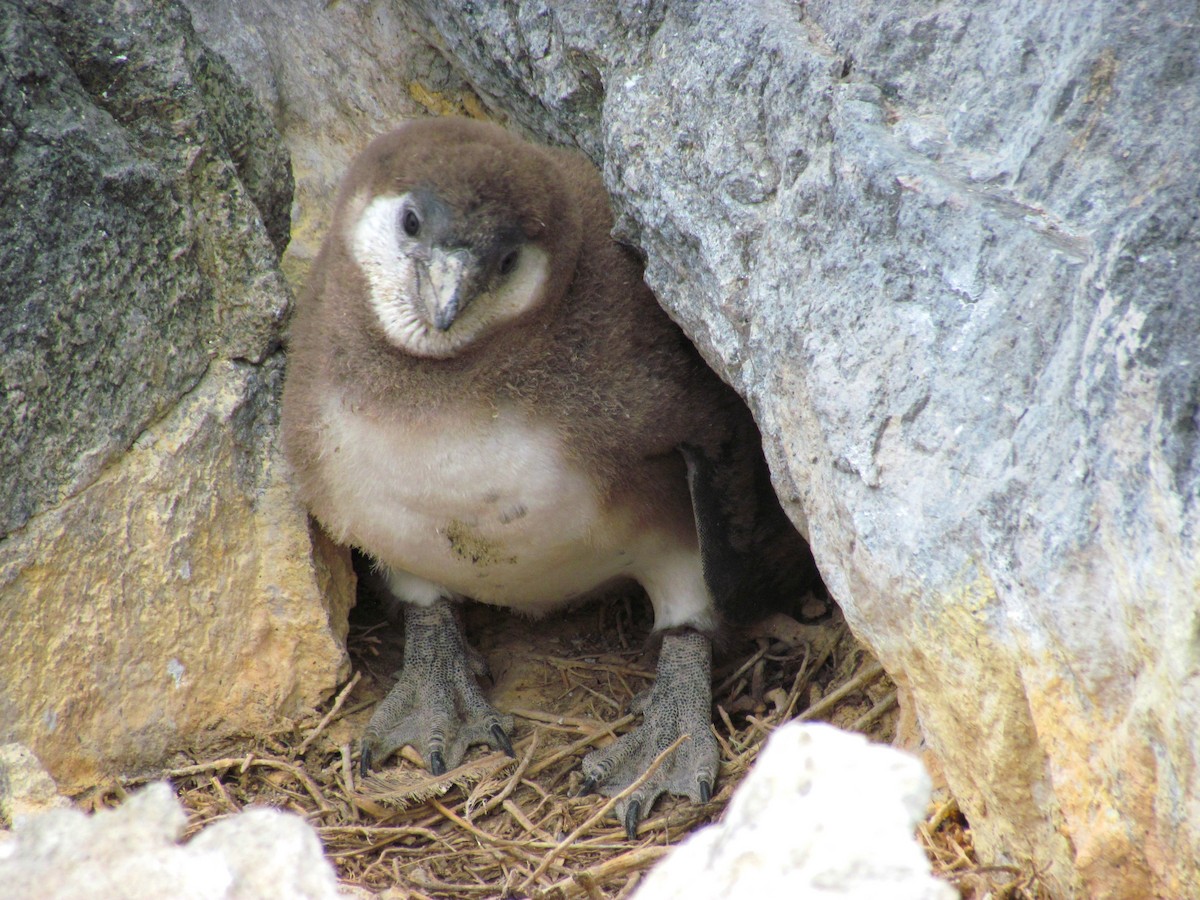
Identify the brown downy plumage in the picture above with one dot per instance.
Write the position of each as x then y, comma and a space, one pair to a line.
469, 281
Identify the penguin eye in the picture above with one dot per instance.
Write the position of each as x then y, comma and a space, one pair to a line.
509, 262
411, 223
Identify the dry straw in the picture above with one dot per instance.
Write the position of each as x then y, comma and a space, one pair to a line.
501, 827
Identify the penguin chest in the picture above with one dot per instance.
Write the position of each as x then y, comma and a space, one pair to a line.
484, 505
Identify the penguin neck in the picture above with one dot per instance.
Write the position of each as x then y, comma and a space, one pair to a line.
494, 370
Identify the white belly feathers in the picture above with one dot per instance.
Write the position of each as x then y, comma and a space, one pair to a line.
486, 506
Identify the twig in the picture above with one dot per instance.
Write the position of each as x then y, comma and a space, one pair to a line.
599, 696
943, 813
250, 760
523, 820
384, 830
537, 715
513, 780
559, 663
224, 794
586, 881
602, 812
830, 700
727, 683
347, 770
424, 879
573, 748
300, 775
725, 748
328, 717
488, 838
610, 868
887, 704
389, 835
521, 847
799, 683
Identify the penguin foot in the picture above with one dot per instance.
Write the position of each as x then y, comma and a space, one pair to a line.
436, 707
679, 703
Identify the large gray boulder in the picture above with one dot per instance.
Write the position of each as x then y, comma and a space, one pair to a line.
951, 255
158, 582
119, 129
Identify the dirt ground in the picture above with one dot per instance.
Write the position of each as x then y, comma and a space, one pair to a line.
499, 827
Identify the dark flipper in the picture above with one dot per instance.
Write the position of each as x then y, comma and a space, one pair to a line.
680, 702
755, 561
436, 706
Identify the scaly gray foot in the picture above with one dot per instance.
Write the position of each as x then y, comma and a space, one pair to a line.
436, 707
679, 703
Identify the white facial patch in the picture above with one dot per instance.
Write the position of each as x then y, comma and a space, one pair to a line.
393, 263
388, 259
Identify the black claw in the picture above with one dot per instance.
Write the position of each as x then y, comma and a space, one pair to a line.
705, 791
586, 786
501, 737
632, 814
364, 761
437, 763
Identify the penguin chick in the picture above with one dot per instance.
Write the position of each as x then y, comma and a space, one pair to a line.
483, 396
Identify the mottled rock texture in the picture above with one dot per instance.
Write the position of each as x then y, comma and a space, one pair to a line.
136, 171
824, 813
951, 255
158, 584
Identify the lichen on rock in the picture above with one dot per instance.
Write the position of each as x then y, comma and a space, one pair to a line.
158, 583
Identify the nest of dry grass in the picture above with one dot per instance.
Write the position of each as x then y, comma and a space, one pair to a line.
501, 827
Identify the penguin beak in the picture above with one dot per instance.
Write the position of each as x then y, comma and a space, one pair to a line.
450, 276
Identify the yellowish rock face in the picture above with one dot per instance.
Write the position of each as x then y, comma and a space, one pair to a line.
180, 597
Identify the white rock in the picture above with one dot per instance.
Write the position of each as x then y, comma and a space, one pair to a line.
25, 787
823, 813
133, 853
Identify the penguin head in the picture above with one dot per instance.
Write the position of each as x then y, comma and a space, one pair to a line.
459, 231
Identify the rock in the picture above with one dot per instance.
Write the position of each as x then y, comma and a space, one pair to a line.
25, 787
133, 252
950, 255
158, 584
544, 64
823, 812
332, 76
133, 852
213, 622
